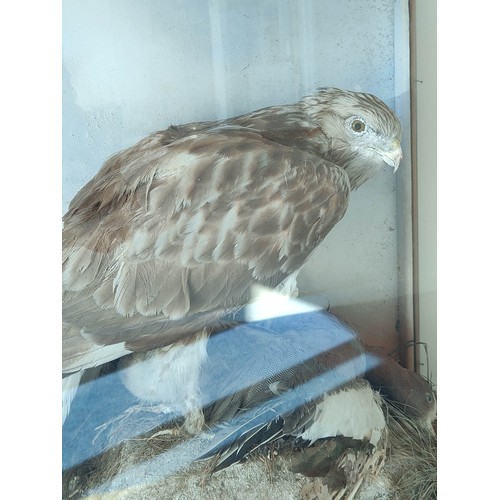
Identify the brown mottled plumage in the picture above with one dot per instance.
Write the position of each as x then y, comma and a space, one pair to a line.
171, 234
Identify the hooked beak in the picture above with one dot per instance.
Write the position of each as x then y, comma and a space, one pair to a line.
393, 157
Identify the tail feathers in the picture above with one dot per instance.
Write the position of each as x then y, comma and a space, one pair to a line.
247, 432
70, 385
254, 427
289, 413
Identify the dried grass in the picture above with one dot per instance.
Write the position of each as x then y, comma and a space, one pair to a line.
409, 473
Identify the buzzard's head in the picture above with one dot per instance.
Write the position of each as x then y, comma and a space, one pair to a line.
364, 133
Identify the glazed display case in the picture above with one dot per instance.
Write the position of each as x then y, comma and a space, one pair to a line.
132, 68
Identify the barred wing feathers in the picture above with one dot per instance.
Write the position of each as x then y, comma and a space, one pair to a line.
169, 237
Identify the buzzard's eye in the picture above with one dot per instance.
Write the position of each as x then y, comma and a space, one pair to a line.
358, 126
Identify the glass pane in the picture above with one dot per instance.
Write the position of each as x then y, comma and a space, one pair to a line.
182, 349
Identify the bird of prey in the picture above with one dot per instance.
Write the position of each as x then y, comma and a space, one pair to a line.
169, 237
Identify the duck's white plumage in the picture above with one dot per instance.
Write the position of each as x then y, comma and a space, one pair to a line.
354, 412
171, 234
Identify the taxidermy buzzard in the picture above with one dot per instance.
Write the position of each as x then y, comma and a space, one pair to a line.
169, 237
